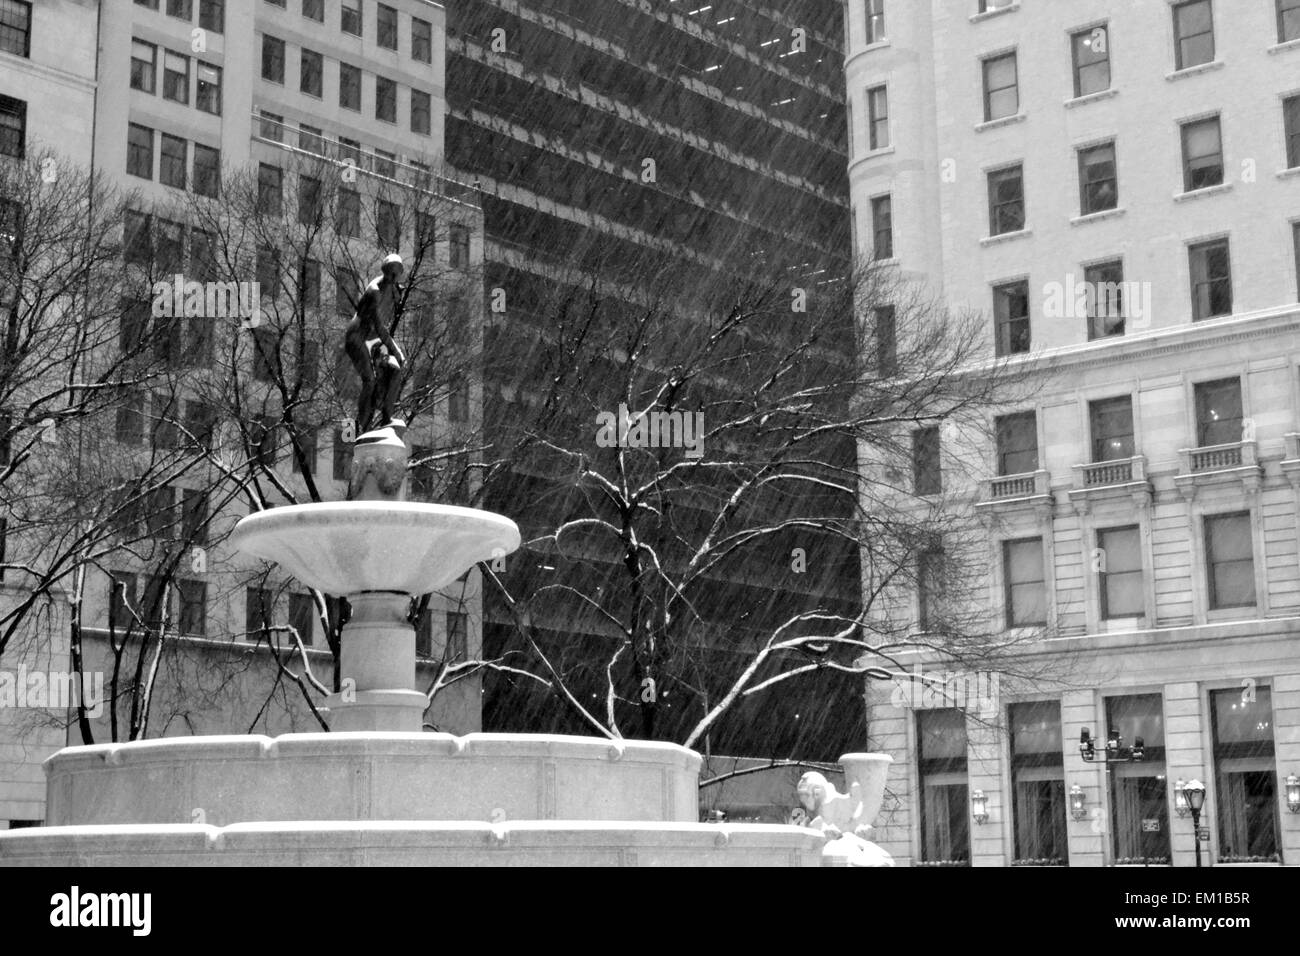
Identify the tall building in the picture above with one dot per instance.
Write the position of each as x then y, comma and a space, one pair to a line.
684, 135
1116, 187
162, 96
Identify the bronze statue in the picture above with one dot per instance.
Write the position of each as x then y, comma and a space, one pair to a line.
370, 346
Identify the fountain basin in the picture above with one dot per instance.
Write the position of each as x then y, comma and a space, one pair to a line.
345, 547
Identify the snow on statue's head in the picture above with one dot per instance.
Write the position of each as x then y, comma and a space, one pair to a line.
813, 791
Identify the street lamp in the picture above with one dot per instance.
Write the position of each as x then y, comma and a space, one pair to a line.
979, 806
1077, 809
1194, 793
1293, 793
1115, 751
1180, 798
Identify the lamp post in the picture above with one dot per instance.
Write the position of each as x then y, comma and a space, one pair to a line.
1194, 793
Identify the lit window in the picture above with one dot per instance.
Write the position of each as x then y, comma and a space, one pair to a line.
1091, 60
208, 93
1111, 421
1218, 412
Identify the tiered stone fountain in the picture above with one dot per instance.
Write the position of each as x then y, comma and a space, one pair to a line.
376, 790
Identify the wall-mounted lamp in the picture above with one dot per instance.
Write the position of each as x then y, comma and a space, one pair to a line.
1293, 793
979, 806
1077, 809
1180, 798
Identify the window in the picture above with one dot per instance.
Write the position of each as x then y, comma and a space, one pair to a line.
1098, 185
351, 17
169, 250
307, 443
1288, 20
309, 281
875, 21
192, 597
348, 214
1291, 124
176, 77
263, 441
987, 5
342, 457
1193, 33
200, 420
160, 507
420, 112
180, 9
258, 604
1001, 91
311, 140
1025, 584
314, 10
207, 170
137, 238
1139, 791
886, 341
270, 189
388, 224
1105, 289
386, 163
212, 15
16, 28
309, 200
457, 636
194, 516
929, 588
346, 289
1006, 200
927, 477
1017, 443
272, 59
139, 151
1011, 318
426, 229
1038, 804
1202, 154
386, 27
144, 66
1230, 560
458, 247
1091, 60
350, 152
271, 126
349, 87
1218, 412
13, 127
172, 157
1119, 573
1245, 774
882, 227
302, 617
878, 117
421, 40
1211, 273
309, 76
1295, 236
1111, 420
121, 600
941, 767
268, 272
265, 358
151, 4
385, 100
458, 399
208, 94
130, 421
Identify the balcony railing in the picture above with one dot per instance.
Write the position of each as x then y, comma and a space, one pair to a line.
1101, 474
1031, 484
1241, 454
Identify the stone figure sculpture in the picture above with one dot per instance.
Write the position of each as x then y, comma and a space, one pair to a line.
841, 817
369, 344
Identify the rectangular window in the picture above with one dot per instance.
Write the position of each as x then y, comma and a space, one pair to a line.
929, 589
1139, 790
1211, 273
172, 161
207, 95
348, 214
457, 636
458, 399
385, 100
882, 227
212, 15
1230, 560
137, 238
1288, 20
309, 200
200, 420
385, 163
311, 140
264, 442
192, 598
270, 189
144, 66
314, 10
421, 111
1291, 125
1091, 60
386, 27
207, 170
1245, 772
180, 9
203, 255
302, 617
273, 59
1038, 802
886, 340
139, 151
945, 803
1017, 443
388, 224
1120, 573
271, 126
458, 247
878, 117
1111, 420
306, 440
1006, 200
265, 354
350, 13
1202, 154
160, 513
258, 612
875, 21
1001, 90
16, 28
169, 250
176, 77
1218, 412
13, 127
421, 40
1105, 291
1193, 33
122, 600
349, 87
346, 289
194, 517
130, 421
312, 66
1025, 584
309, 283
1098, 182
987, 5
1011, 318
927, 476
